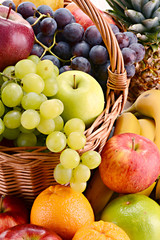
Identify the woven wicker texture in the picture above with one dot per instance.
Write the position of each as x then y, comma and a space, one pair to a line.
27, 171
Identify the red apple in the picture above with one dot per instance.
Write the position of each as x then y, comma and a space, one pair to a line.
82, 18
130, 163
29, 231
13, 211
17, 37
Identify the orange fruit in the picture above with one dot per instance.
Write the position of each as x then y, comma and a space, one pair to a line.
61, 209
100, 230
54, 4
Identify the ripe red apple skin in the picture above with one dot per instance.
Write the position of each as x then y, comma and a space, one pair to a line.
82, 18
28, 231
13, 211
126, 168
17, 38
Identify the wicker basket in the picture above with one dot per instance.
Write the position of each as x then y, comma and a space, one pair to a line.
27, 171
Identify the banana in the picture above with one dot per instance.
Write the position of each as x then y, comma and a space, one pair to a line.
98, 193
127, 122
148, 190
148, 128
148, 105
157, 193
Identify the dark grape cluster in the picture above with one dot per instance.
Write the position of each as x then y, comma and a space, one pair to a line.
63, 41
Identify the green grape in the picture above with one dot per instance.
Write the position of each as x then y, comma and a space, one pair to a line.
9, 72
81, 173
74, 125
32, 82
59, 123
69, 158
30, 119
50, 87
11, 134
91, 159
76, 140
2, 108
24, 130
56, 70
12, 119
12, 95
56, 141
26, 140
23, 67
77, 186
45, 68
43, 97
2, 126
46, 126
51, 108
62, 175
31, 100
34, 58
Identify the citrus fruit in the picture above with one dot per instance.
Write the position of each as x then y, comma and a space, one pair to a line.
100, 230
54, 4
61, 209
138, 215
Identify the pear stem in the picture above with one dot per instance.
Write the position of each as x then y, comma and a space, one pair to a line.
9, 10
133, 143
74, 80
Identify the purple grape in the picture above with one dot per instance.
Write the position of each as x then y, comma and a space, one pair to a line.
93, 36
46, 40
63, 17
130, 70
129, 56
65, 68
52, 58
37, 50
122, 39
44, 9
9, 3
132, 37
81, 64
115, 29
26, 9
62, 50
98, 54
139, 50
48, 26
73, 32
36, 27
81, 49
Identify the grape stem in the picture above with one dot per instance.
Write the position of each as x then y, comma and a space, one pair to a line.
10, 78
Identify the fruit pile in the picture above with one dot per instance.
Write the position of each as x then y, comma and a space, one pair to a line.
59, 38
49, 98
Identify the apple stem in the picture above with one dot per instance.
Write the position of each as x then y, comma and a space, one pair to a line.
9, 10
74, 80
1, 201
133, 143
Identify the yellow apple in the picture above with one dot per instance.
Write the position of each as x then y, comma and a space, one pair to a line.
54, 4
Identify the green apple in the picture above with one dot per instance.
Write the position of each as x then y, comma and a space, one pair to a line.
81, 95
138, 215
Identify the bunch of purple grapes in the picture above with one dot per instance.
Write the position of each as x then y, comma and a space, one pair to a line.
63, 41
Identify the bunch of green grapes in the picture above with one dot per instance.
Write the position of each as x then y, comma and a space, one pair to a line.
73, 169
28, 108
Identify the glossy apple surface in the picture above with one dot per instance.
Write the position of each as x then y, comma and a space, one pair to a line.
13, 211
130, 163
81, 95
16, 37
28, 232
82, 18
